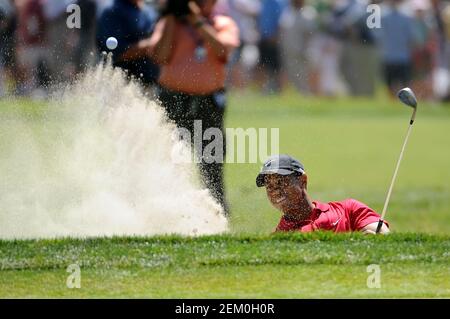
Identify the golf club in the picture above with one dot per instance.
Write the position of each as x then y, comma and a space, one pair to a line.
407, 96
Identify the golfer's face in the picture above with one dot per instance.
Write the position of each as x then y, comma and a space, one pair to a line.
283, 191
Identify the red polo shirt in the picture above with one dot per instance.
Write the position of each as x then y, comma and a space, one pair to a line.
344, 216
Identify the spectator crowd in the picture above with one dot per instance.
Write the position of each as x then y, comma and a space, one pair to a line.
318, 47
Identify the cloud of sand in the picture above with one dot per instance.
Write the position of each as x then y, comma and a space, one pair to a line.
99, 163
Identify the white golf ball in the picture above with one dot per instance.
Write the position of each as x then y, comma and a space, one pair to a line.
111, 43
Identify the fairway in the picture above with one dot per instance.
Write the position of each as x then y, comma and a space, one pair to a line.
349, 148
283, 266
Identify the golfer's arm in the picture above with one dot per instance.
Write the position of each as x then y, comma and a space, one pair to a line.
372, 229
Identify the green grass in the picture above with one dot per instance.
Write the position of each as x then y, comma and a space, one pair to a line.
232, 266
349, 148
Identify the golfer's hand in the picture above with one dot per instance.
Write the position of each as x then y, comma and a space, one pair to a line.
372, 229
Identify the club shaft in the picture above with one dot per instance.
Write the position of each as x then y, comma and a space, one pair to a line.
388, 197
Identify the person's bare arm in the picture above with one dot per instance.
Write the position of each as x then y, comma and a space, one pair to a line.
137, 51
372, 229
207, 32
161, 43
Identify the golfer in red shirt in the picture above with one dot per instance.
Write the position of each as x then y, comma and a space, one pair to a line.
286, 182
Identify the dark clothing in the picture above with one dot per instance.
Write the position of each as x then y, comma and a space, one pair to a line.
397, 75
397, 37
270, 56
364, 34
128, 24
88, 10
7, 41
32, 25
183, 109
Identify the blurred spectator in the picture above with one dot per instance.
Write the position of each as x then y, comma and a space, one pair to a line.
33, 53
61, 40
270, 60
326, 51
193, 50
424, 53
359, 63
245, 57
397, 40
297, 28
8, 24
222, 7
441, 76
84, 56
131, 22
102, 5
438, 12
321, 46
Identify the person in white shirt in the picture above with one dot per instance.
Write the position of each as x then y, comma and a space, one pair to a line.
297, 26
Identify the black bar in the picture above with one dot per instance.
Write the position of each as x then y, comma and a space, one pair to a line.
221, 308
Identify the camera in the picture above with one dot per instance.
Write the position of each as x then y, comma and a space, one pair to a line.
178, 8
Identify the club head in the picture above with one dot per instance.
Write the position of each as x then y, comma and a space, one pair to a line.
407, 96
